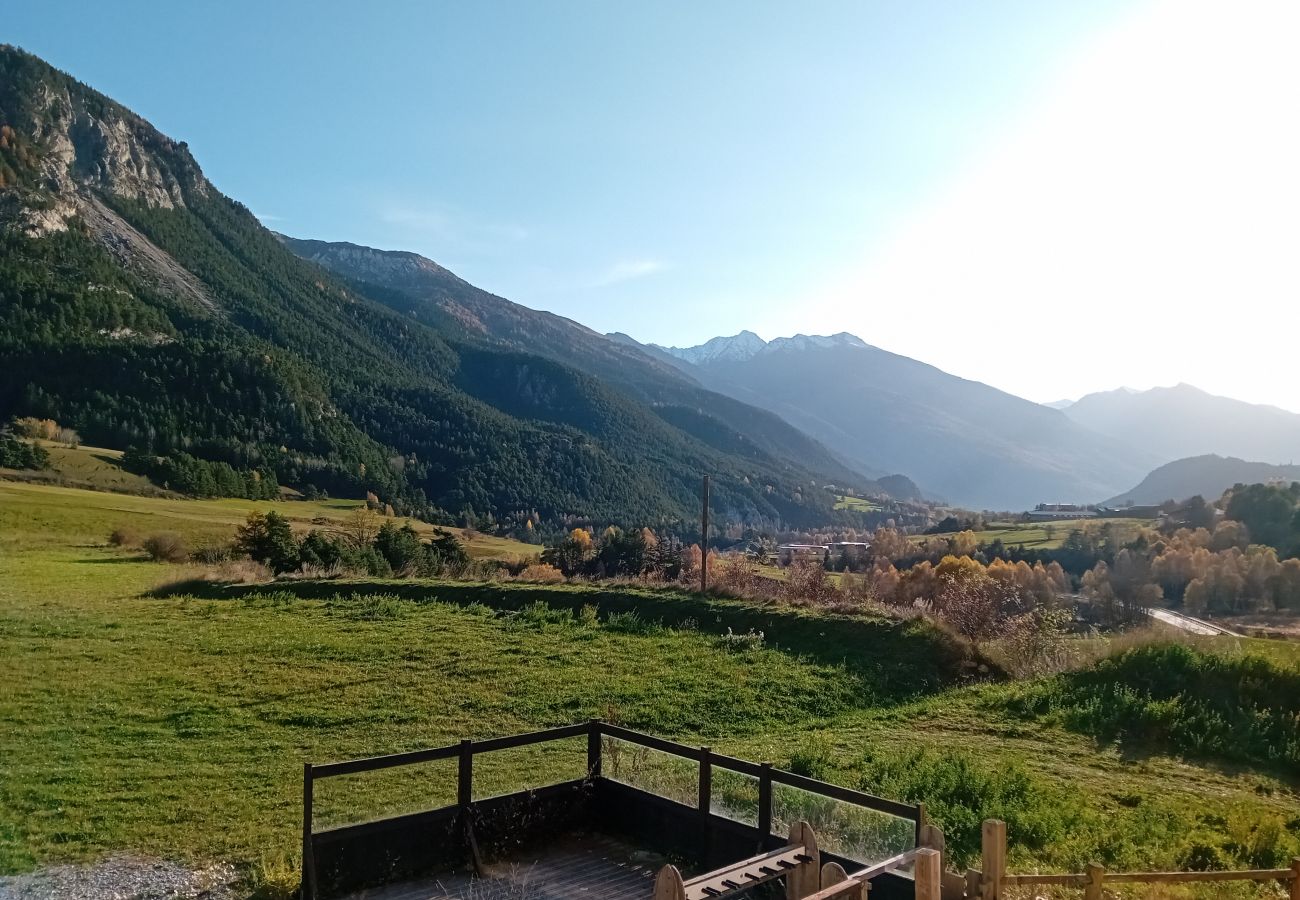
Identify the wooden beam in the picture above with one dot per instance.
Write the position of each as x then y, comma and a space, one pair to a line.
1295, 878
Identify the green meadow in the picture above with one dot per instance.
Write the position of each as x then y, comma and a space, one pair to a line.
136, 719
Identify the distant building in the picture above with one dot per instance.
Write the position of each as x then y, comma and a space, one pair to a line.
788, 553
1051, 513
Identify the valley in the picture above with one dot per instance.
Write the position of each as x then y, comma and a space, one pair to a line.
185, 718
268, 500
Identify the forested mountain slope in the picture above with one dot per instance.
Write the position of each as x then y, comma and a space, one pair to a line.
1209, 476
144, 308
426, 291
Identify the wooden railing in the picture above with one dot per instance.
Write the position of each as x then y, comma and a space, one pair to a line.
988, 883
595, 731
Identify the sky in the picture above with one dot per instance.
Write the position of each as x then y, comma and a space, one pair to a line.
1053, 198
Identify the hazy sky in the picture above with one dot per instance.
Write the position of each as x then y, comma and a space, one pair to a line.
1051, 197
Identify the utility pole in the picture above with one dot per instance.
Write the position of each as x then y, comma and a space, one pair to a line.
704, 540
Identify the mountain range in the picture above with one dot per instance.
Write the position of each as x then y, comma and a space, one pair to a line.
964, 442
1183, 421
146, 309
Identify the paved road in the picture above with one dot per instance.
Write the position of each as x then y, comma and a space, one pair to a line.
1187, 623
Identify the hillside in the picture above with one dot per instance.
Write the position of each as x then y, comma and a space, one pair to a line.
1209, 476
422, 289
967, 442
1184, 421
180, 722
144, 308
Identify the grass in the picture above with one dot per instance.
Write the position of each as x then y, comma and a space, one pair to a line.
50, 514
1042, 535
178, 725
1174, 698
96, 468
861, 504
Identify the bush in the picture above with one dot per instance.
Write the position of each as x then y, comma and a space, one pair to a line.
960, 791
16, 454
122, 536
1173, 698
813, 757
166, 546
739, 643
541, 572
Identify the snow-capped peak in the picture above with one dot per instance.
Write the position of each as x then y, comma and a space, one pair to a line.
746, 345
736, 348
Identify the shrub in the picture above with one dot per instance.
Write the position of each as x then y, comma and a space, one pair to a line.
739, 643
377, 607
812, 757
166, 546
630, 623
123, 536
1173, 698
211, 554
542, 572
960, 791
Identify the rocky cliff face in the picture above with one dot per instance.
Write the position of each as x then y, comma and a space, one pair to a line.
70, 152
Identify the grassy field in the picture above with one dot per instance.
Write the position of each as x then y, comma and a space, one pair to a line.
1044, 535
178, 725
63, 515
93, 467
861, 504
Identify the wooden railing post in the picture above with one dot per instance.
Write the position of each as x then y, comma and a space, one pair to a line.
1096, 875
704, 798
704, 803
994, 851
1295, 878
308, 850
593, 749
928, 875
465, 778
764, 803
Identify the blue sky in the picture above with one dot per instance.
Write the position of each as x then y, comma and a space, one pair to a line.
677, 170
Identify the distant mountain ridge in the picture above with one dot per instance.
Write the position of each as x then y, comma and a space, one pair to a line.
747, 345
1209, 476
966, 442
1184, 421
420, 288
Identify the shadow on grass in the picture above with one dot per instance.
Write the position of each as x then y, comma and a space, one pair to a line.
901, 660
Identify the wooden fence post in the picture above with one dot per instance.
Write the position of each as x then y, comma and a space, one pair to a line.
928, 875
465, 778
1295, 878
704, 803
593, 749
1096, 874
994, 847
308, 848
764, 804
974, 889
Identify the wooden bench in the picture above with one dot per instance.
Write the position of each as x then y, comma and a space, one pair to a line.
799, 863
